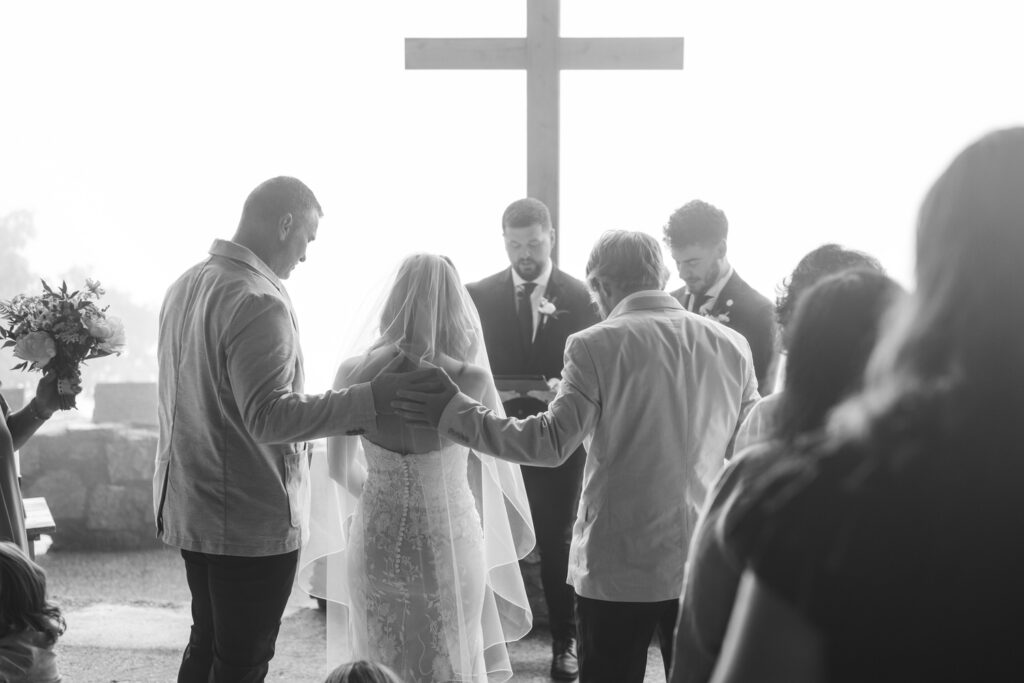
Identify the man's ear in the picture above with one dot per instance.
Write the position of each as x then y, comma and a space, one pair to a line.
284, 226
721, 249
553, 237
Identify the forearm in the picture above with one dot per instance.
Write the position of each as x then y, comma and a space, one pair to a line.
286, 417
538, 440
26, 422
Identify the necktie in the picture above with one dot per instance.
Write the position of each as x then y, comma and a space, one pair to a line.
524, 310
698, 301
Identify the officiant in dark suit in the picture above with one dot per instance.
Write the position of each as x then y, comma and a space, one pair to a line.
697, 235
527, 312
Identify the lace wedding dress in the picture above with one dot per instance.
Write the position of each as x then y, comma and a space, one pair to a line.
417, 555
417, 581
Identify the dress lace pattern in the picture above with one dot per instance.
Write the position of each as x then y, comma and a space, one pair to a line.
417, 567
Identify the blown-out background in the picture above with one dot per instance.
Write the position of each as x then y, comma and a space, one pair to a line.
131, 132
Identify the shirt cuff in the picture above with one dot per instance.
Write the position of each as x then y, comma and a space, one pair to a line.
362, 415
448, 425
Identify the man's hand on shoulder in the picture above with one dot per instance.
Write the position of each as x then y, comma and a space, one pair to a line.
423, 401
387, 384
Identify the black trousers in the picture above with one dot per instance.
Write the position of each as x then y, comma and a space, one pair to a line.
554, 495
237, 603
614, 637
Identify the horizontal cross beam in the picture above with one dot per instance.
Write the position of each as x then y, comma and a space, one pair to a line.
573, 53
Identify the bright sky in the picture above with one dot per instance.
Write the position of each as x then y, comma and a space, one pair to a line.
134, 131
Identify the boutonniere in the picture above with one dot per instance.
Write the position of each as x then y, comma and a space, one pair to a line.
549, 308
722, 317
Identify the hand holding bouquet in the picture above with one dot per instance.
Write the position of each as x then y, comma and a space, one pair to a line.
56, 331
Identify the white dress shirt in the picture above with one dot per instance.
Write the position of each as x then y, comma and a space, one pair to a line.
712, 292
661, 392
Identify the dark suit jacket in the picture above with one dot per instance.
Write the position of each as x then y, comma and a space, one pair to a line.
495, 300
752, 315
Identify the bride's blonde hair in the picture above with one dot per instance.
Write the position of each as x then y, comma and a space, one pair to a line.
428, 311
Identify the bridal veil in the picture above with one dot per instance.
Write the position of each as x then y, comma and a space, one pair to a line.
427, 318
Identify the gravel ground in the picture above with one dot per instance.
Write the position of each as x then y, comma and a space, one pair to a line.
132, 612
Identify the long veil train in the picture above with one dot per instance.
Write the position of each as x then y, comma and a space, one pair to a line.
439, 534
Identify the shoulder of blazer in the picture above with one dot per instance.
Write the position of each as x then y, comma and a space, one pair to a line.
570, 290
490, 284
743, 294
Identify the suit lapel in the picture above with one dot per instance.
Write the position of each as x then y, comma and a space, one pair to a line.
553, 294
728, 293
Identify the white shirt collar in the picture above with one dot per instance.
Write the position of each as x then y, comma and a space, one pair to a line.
541, 280
713, 291
716, 289
619, 307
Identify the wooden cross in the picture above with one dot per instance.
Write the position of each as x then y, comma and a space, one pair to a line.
543, 53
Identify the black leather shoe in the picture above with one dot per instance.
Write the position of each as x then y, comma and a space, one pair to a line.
564, 665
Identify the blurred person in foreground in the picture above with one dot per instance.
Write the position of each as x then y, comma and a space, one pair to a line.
819, 263
660, 392
362, 671
894, 554
29, 624
831, 335
230, 486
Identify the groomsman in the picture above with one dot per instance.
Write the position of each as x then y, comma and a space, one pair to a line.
660, 392
697, 235
528, 311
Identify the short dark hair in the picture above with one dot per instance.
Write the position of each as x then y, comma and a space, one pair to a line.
631, 260
834, 330
696, 222
522, 213
273, 198
828, 259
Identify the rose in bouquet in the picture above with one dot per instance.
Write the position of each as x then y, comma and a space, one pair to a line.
58, 330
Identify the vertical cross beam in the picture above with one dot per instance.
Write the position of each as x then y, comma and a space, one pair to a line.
544, 54
542, 107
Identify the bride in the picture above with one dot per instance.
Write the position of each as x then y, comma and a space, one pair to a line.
415, 541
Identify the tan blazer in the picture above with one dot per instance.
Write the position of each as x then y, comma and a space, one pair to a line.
661, 391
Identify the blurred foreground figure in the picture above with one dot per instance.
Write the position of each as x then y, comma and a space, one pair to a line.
895, 554
833, 331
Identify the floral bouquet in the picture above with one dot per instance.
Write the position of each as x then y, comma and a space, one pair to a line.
59, 330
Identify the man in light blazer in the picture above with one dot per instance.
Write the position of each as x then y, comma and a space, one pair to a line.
661, 392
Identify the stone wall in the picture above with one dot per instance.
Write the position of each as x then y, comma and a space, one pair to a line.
129, 403
98, 482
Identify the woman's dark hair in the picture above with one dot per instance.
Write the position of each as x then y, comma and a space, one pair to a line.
828, 259
23, 603
951, 363
832, 334
362, 671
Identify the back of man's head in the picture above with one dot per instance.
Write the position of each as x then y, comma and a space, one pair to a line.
525, 213
272, 199
696, 222
630, 260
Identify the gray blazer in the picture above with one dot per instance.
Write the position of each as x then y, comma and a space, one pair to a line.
661, 392
231, 468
